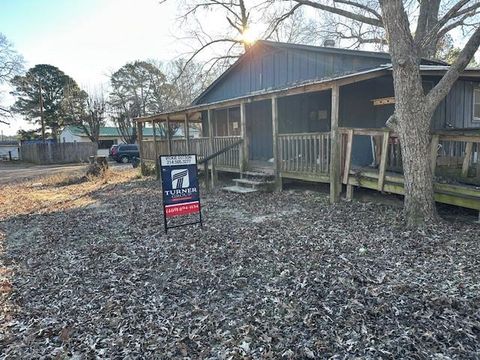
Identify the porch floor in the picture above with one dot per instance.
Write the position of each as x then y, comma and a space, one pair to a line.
453, 193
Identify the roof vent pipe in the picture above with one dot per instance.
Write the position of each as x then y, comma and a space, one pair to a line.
329, 43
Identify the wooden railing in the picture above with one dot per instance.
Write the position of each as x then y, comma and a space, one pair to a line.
178, 146
455, 156
458, 155
200, 146
230, 158
148, 149
307, 153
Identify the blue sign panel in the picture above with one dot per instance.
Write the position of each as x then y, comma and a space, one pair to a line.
181, 193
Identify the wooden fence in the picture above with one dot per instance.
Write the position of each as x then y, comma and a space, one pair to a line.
58, 153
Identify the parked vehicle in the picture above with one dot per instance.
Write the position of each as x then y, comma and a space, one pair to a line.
112, 151
124, 153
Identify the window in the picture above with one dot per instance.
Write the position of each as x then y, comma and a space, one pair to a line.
476, 104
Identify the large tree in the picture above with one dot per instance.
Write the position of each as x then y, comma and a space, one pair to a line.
412, 35
11, 64
41, 94
139, 88
87, 110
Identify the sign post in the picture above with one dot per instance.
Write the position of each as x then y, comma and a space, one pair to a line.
181, 193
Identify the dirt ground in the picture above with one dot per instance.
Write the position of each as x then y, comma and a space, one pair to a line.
17, 171
86, 271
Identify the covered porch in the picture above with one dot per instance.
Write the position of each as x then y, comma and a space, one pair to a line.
329, 131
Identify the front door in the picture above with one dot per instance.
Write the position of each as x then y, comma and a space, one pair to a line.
259, 131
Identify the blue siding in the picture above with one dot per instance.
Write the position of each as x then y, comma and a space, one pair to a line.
456, 110
270, 67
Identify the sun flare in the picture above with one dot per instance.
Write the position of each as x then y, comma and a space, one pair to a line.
249, 36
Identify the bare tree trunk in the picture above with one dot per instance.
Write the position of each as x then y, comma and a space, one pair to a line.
415, 139
412, 119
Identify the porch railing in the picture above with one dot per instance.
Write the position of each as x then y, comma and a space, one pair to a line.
230, 158
200, 146
307, 153
453, 156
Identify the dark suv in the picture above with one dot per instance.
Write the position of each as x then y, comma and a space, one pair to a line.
124, 153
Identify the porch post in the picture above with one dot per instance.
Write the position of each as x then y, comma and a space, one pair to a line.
169, 139
276, 168
335, 181
212, 144
243, 134
157, 167
140, 146
187, 135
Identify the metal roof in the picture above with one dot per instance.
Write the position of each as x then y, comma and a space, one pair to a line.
298, 87
309, 48
177, 115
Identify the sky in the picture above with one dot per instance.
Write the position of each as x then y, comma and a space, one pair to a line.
88, 39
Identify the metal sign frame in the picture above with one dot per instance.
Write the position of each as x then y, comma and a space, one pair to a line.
184, 198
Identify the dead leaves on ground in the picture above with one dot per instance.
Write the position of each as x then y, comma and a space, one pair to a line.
269, 276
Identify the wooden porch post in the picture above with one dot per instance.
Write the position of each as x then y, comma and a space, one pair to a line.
243, 135
212, 145
335, 181
276, 168
140, 146
169, 138
434, 153
187, 135
157, 166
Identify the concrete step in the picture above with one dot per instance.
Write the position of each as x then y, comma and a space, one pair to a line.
239, 189
252, 182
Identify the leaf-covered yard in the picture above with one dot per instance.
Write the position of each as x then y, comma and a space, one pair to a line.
87, 271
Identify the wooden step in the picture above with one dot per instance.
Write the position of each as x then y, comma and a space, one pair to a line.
239, 189
257, 174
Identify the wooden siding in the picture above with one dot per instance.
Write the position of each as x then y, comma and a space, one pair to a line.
276, 67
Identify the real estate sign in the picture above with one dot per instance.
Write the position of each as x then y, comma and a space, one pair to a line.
181, 193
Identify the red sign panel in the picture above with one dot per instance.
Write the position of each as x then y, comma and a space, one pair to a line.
182, 209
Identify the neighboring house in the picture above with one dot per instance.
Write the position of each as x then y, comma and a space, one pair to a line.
286, 102
9, 150
110, 135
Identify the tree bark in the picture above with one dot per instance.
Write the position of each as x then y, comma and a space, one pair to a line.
412, 115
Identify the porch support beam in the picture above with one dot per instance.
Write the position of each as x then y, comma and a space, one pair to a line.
276, 168
243, 134
140, 147
466, 159
187, 135
335, 142
169, 138
157, 165
212, 145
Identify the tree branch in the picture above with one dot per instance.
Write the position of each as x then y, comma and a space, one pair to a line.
361, 6
345, 13
438, 93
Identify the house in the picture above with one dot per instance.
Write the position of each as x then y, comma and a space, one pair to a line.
319, 114
9, 150
109, 135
